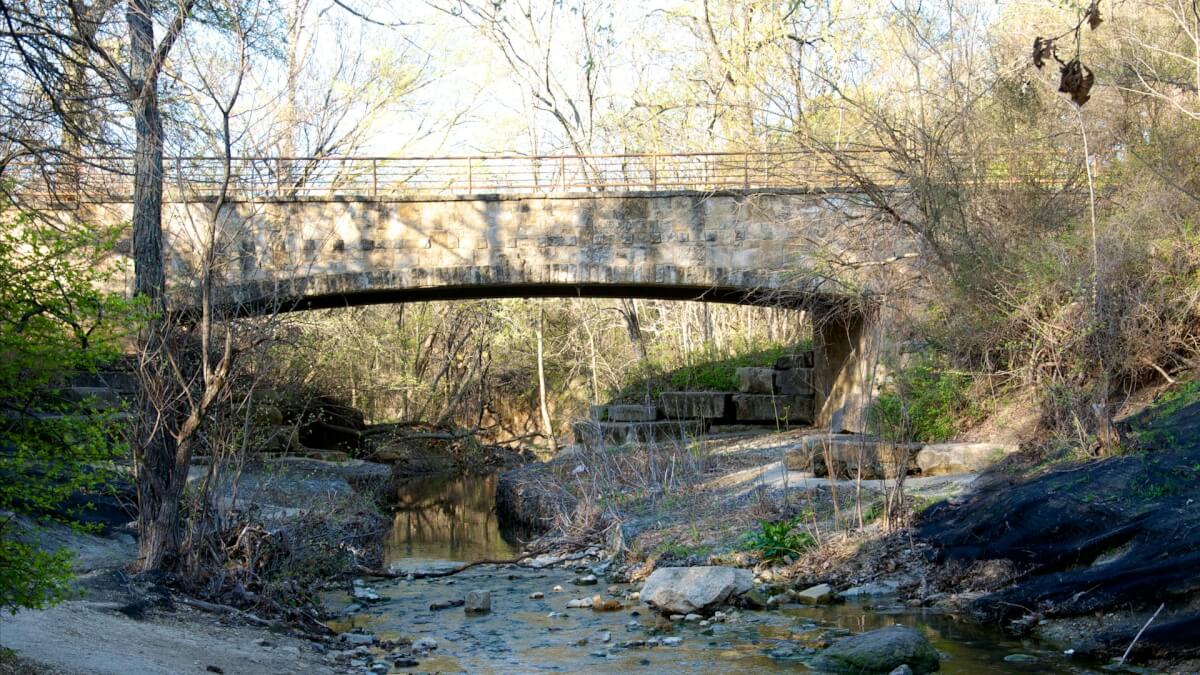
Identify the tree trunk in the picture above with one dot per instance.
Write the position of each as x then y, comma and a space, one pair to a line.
154, 445
148, 275
547, 429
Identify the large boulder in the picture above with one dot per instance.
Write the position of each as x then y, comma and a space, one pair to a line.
685, 590
940, 459
880, 651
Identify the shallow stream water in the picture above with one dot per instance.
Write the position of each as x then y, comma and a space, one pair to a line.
442, 520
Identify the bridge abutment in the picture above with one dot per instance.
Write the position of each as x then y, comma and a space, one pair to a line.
846, 344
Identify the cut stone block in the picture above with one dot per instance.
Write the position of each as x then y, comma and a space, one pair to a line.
795, 382
620, 433
756, 380
693, 404
939, 459
844, 455
632, 413
797, 360
97, 398
767, 408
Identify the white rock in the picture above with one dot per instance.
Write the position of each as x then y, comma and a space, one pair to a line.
816, 595
672, 641
939, 459
684, 590
426, 643
478, 602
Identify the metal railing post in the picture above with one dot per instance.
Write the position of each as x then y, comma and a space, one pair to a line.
746, 171
470, 176
562, 169
374, 178
654, 172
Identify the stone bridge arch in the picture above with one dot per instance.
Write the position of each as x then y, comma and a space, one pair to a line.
738, 246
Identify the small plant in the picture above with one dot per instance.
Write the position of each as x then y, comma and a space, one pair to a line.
776, 541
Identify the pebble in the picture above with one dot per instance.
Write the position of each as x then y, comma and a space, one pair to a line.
599, 604
586, 580
578, 603
672, 641
902, 669
425, 643
262, 643
557, 589
677, 617
630, 644
380, 668
705, 623
692, 617
601, 636
555, 615
537, 595
404, 662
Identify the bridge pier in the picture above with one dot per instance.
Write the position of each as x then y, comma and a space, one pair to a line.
846, 356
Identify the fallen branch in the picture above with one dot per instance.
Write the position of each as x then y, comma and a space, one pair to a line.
1139, 635
388, 574
257, 620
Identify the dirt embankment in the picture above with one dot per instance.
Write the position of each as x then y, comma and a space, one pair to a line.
125, 624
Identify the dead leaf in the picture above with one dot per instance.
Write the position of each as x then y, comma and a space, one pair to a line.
1043, 48
1093, 15
1077, 80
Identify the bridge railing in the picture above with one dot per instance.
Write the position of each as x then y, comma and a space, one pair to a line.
111, 179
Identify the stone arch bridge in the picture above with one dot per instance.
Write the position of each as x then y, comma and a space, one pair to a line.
306, 233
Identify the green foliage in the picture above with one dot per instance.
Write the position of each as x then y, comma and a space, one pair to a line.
53, 321
923, 402
30, 577
775, 541
706, 370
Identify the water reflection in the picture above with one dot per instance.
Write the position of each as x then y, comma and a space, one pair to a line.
448, 518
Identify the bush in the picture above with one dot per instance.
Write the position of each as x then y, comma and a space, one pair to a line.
923, 402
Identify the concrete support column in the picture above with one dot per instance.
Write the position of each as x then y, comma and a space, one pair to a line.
845, 342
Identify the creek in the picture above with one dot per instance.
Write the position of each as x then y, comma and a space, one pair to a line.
443, 520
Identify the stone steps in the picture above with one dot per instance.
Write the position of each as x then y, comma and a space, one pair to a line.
781, 394
590, 432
